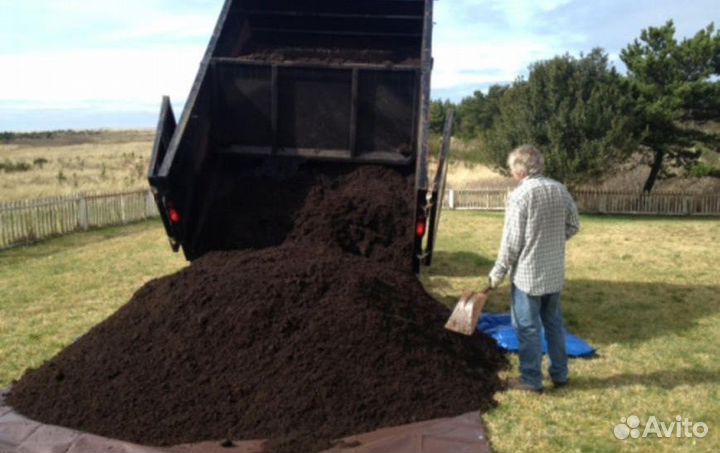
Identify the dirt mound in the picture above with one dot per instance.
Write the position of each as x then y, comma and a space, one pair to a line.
368, 212
300, 343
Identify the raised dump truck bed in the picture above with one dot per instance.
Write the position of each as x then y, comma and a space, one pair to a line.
285, 85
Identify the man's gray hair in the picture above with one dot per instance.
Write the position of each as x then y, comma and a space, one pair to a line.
526, 158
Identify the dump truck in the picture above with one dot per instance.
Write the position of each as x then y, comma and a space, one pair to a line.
284, 82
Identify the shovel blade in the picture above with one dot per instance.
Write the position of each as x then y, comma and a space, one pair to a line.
467, 311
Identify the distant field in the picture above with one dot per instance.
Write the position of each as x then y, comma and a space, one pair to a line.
463, 175
107, 161
65, 163
110, 161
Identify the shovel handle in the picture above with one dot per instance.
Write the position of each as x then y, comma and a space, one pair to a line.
467, 297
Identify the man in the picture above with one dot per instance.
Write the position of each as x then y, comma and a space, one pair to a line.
541, 215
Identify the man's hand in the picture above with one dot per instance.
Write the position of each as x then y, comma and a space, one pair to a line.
494, 282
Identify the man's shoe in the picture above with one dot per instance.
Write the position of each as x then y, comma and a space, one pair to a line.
560, 384
516, 384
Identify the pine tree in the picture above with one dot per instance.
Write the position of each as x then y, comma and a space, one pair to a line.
575, 110
675, 88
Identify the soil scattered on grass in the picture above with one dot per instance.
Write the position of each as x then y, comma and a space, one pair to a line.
326, 335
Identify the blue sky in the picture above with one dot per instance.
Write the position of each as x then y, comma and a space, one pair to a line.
91, 64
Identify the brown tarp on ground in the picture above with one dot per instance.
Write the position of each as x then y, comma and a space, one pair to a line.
464, 433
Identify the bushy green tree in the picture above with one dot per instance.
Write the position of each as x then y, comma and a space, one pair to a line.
676, 87
438, 113
575, 110
476, 113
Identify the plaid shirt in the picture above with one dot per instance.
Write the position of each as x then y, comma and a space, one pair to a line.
540, 216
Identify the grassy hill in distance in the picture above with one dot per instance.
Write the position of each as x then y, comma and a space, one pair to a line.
58, 163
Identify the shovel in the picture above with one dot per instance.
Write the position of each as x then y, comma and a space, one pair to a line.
465, 316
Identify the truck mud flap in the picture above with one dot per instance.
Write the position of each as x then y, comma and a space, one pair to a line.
164, 133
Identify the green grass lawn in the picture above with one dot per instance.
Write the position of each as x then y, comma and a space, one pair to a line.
55, 291
644, 291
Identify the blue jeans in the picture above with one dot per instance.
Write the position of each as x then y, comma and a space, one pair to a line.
529, 315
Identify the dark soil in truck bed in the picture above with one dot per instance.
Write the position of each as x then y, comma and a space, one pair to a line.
333, 56
325, 335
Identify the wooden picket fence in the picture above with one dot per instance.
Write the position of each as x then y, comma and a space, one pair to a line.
599, 202
28, 221
25, 222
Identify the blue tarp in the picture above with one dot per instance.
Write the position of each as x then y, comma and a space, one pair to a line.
499, 326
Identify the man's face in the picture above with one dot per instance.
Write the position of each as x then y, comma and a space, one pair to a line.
519, 175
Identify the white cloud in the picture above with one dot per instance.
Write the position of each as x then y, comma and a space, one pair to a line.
121, 11
478, 42
126, 78
551, 5
484, 62
168, 27
522, 13
107, 56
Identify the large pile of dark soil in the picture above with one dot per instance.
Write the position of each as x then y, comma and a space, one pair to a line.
366, 211
318, 338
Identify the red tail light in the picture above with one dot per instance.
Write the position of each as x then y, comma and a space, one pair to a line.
420, 228
174, 216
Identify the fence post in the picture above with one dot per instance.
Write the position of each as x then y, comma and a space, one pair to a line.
83, 216
149, 204
451, 199
602, 205
123, 217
